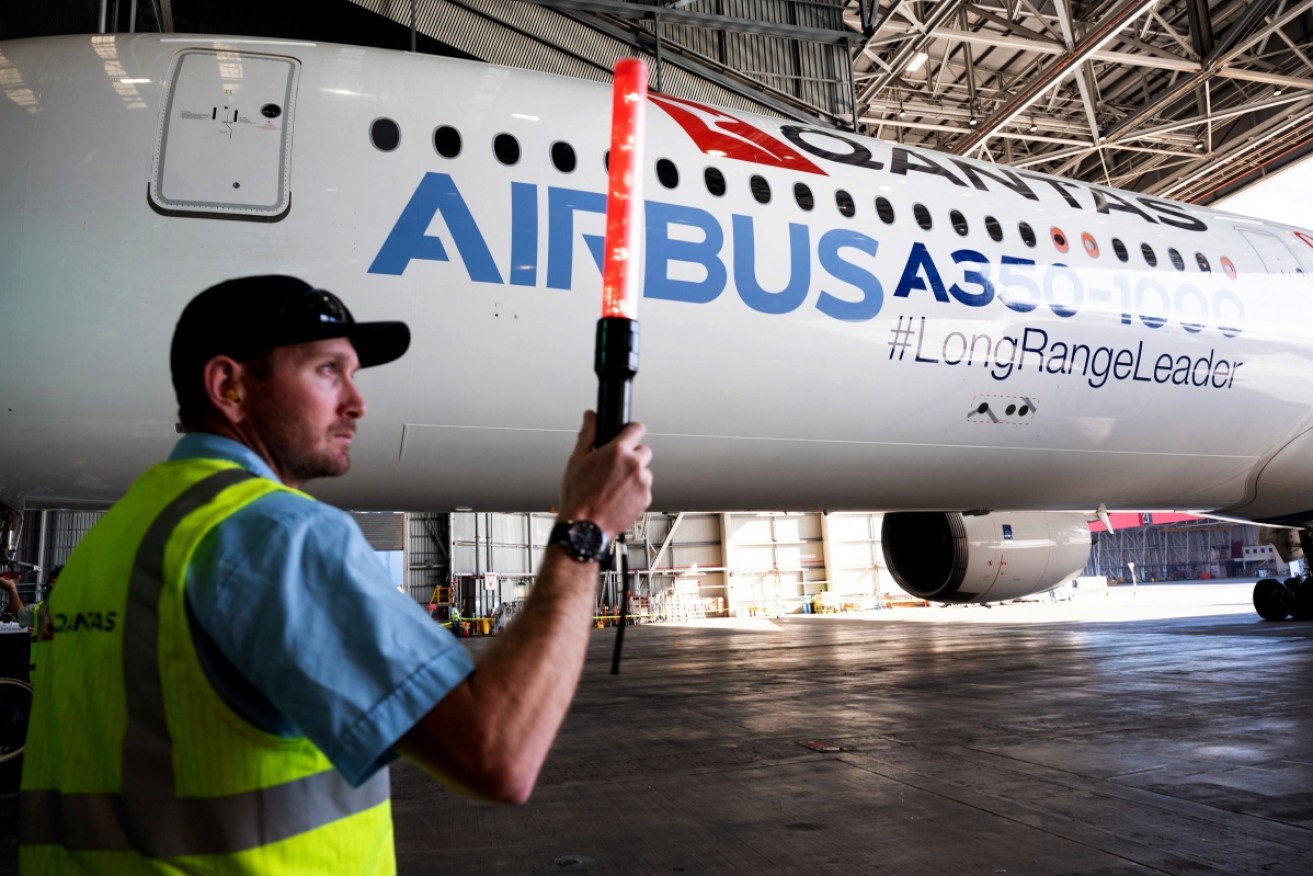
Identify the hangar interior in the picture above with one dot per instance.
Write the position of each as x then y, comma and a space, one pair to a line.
856, 746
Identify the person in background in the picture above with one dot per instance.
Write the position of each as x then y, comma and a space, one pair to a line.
15, 605
35, 617
25, 615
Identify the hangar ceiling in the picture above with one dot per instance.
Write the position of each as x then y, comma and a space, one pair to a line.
1188, 99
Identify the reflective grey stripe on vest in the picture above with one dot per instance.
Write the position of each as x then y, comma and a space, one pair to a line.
164, 826
147, 816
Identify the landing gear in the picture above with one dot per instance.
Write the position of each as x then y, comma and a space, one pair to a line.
1301, 598
1272, 599
1276, 600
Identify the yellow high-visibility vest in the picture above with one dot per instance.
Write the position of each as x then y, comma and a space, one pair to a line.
134, 763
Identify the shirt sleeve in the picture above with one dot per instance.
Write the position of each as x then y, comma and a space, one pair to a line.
288, 591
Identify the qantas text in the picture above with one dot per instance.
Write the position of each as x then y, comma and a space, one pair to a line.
690, 256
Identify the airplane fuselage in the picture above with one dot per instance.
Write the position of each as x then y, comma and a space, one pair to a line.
828, 321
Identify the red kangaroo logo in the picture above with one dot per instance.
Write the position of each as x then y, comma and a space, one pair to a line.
718, 133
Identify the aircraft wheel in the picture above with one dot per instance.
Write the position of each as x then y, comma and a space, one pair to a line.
1301, 599
1271, 600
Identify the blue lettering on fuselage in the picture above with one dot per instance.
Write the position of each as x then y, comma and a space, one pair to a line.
663, 251
409, 240
562, 204
685, 260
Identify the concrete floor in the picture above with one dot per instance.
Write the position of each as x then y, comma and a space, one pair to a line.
1164, 730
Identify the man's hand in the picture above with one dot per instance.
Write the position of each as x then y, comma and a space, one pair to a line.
612, 485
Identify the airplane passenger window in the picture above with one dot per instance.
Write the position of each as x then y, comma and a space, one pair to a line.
922, 216
1120, 248
959, 222
563, 157
506, 148
667, 173
384, 134
1177, 261
1059, 239
844, 202
715, 181
1150, 257
994, 228
1203, 263
760, 189
884, 210
1027, 233
1090, 244
446, 141
803, 196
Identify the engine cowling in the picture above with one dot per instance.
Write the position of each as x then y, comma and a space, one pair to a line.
952, 557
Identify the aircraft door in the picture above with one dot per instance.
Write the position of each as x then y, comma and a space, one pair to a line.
224, 145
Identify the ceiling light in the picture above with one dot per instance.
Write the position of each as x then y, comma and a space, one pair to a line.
917, 62
1199, 146
1276, 92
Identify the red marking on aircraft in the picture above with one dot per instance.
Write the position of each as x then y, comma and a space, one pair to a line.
716, 132
1131, 520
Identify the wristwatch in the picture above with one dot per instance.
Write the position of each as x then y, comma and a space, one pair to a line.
582, 539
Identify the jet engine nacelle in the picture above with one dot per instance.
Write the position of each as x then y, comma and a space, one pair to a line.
951, 557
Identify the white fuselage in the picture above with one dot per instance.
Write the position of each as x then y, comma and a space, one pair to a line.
793, 356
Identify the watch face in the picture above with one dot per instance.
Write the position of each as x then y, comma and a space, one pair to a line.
585, 540
582, 539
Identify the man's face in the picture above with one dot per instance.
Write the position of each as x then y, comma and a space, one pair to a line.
302, 414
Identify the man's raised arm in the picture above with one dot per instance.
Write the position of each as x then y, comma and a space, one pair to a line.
491, 734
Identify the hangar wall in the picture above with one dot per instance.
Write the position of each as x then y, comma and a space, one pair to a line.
695, 564
688, 564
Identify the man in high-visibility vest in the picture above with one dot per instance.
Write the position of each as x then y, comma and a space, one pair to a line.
204, 704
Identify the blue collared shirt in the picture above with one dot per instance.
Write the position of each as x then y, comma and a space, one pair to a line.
300, 631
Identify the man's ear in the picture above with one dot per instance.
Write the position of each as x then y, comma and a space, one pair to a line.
225, 380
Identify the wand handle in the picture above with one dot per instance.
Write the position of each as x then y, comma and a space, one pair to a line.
615, 361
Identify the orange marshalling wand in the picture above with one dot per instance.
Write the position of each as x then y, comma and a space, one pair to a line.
615, 359
616, 355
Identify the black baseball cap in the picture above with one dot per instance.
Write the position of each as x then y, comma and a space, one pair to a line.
247, 316
251, 315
